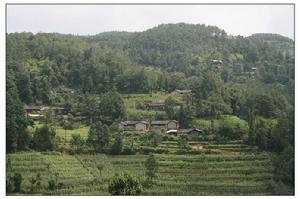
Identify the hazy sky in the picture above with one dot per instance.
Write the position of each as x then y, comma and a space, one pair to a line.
92, 19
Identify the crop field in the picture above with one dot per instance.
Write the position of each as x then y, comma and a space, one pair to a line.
202, 174
82, 130
132, 99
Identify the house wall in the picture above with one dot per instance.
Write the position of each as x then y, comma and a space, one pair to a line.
129, 127
121, 126
197, 147
158, 126
140, 127
172, 125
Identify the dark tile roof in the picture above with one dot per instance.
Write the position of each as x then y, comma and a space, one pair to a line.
190, 130
133, 122
183, 91
162, 122
156, 104
32, 107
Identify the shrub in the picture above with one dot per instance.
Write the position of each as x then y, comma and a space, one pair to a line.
129, 151
51, 185
148, 150
232, 128
152, 167
17, 179
44, 139
277, 188
77, 143
124, 184
117, 147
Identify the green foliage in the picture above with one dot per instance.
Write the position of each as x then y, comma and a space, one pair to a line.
151, 167
77, 143
251, 124
135, 114
117, 146
232, 128
278, 188
98, 136
51, 185
263, 132
124, 184
251, 78
17, 180
185, 116
216, 174
154, 138
111, 107
285, 166
44, 139
17, 138
183, 143
35, 183
170, 103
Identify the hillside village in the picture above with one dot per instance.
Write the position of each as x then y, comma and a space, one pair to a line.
178, 109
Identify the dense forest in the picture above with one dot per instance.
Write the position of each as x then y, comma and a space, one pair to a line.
251, 78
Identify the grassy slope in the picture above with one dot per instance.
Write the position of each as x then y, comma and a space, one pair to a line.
205, 174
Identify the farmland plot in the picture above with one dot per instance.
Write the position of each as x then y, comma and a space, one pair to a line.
202, 174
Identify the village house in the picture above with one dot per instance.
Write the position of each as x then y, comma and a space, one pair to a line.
158, 106
164, 124
134, 125
174, 132
184, 94
33, 111
63, 90
197, 146
56, 110
216, 61
193, 132
38, 111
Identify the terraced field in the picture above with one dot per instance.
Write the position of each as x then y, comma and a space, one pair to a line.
203, 174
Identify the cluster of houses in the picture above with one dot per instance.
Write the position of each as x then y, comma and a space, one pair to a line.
183, 94
171, 127
38, 111
145, 125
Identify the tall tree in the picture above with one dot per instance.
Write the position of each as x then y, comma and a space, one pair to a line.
152, 167
117, 146
44, 139
98, 136
111, 107
17, 137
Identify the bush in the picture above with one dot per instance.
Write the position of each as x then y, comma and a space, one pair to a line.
44, 139
124, 184
232, 128
277, 188
51, 185
148, 150
17, 179
129, 151
134, 114
117, 147
151, 166
77, 143
155, 138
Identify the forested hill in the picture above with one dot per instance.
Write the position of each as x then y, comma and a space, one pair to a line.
233, 88
166, 57
178, 46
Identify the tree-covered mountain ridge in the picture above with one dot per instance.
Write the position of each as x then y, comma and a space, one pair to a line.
166, 57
